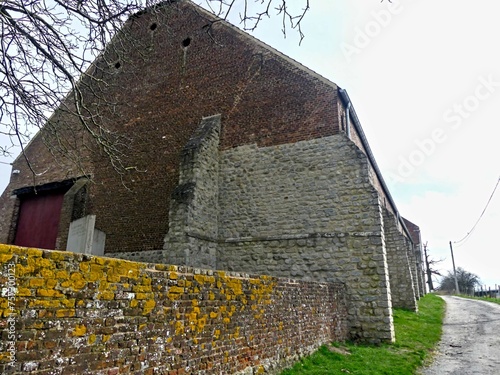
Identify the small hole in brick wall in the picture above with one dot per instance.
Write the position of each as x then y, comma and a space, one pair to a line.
286, 198
153, 27
186, 42
118, 65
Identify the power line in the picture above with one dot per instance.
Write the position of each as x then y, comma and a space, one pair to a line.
482, 213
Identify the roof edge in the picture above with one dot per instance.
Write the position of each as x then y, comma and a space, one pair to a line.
357, 124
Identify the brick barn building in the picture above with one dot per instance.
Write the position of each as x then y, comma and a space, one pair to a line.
236, 157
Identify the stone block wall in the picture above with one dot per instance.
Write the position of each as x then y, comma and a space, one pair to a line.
308, 210
65, 313
401, 269
194, 205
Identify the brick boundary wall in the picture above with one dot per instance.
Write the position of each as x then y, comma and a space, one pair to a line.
80, 314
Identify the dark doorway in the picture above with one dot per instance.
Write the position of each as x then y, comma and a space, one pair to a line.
38, 220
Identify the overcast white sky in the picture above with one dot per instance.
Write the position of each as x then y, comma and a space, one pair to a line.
424, 78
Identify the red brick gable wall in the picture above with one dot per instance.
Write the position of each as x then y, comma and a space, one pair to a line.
162, 90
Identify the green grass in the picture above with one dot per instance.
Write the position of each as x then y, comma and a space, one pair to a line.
416, 336
494, 300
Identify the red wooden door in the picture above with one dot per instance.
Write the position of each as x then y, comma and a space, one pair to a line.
38, 220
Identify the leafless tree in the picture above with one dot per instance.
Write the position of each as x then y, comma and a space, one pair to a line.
48, 50
430, 265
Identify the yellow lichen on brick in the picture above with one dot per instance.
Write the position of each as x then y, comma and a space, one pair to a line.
179, 327
5, 357
217, 334
213, 315
68, 302
80, 330
65, 313
23, 292
201, 323
148, 306
131, 270
92, 339
45, 303
104, 286
51, 283
173, 275
144, 295
200, 279
35, 283
142, 288
35, 325
100, 261
84, 267
107, 295
47, 273
24, 270
57, 255
34, 253
174, 293
134, 303
105, 338
61, 275
5, 249
49, 293
4, 258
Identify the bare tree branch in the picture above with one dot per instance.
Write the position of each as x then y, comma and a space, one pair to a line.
53, 57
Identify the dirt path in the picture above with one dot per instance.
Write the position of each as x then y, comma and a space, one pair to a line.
471, 339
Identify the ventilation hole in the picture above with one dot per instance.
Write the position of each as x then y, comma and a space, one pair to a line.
153, 27
186, 42
118, 65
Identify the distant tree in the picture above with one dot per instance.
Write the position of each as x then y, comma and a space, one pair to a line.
47, 52
467, 281
430, 265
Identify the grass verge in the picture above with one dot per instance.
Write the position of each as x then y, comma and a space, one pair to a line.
416, 336
487, 299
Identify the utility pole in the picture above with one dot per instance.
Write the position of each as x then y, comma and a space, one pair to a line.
428, 269
454, 270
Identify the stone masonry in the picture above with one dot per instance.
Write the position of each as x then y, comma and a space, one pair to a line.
305, 210
398, 251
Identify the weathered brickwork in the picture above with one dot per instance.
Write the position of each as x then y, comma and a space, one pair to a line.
79, 314
160, 92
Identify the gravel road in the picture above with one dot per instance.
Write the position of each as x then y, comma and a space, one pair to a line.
471, 339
